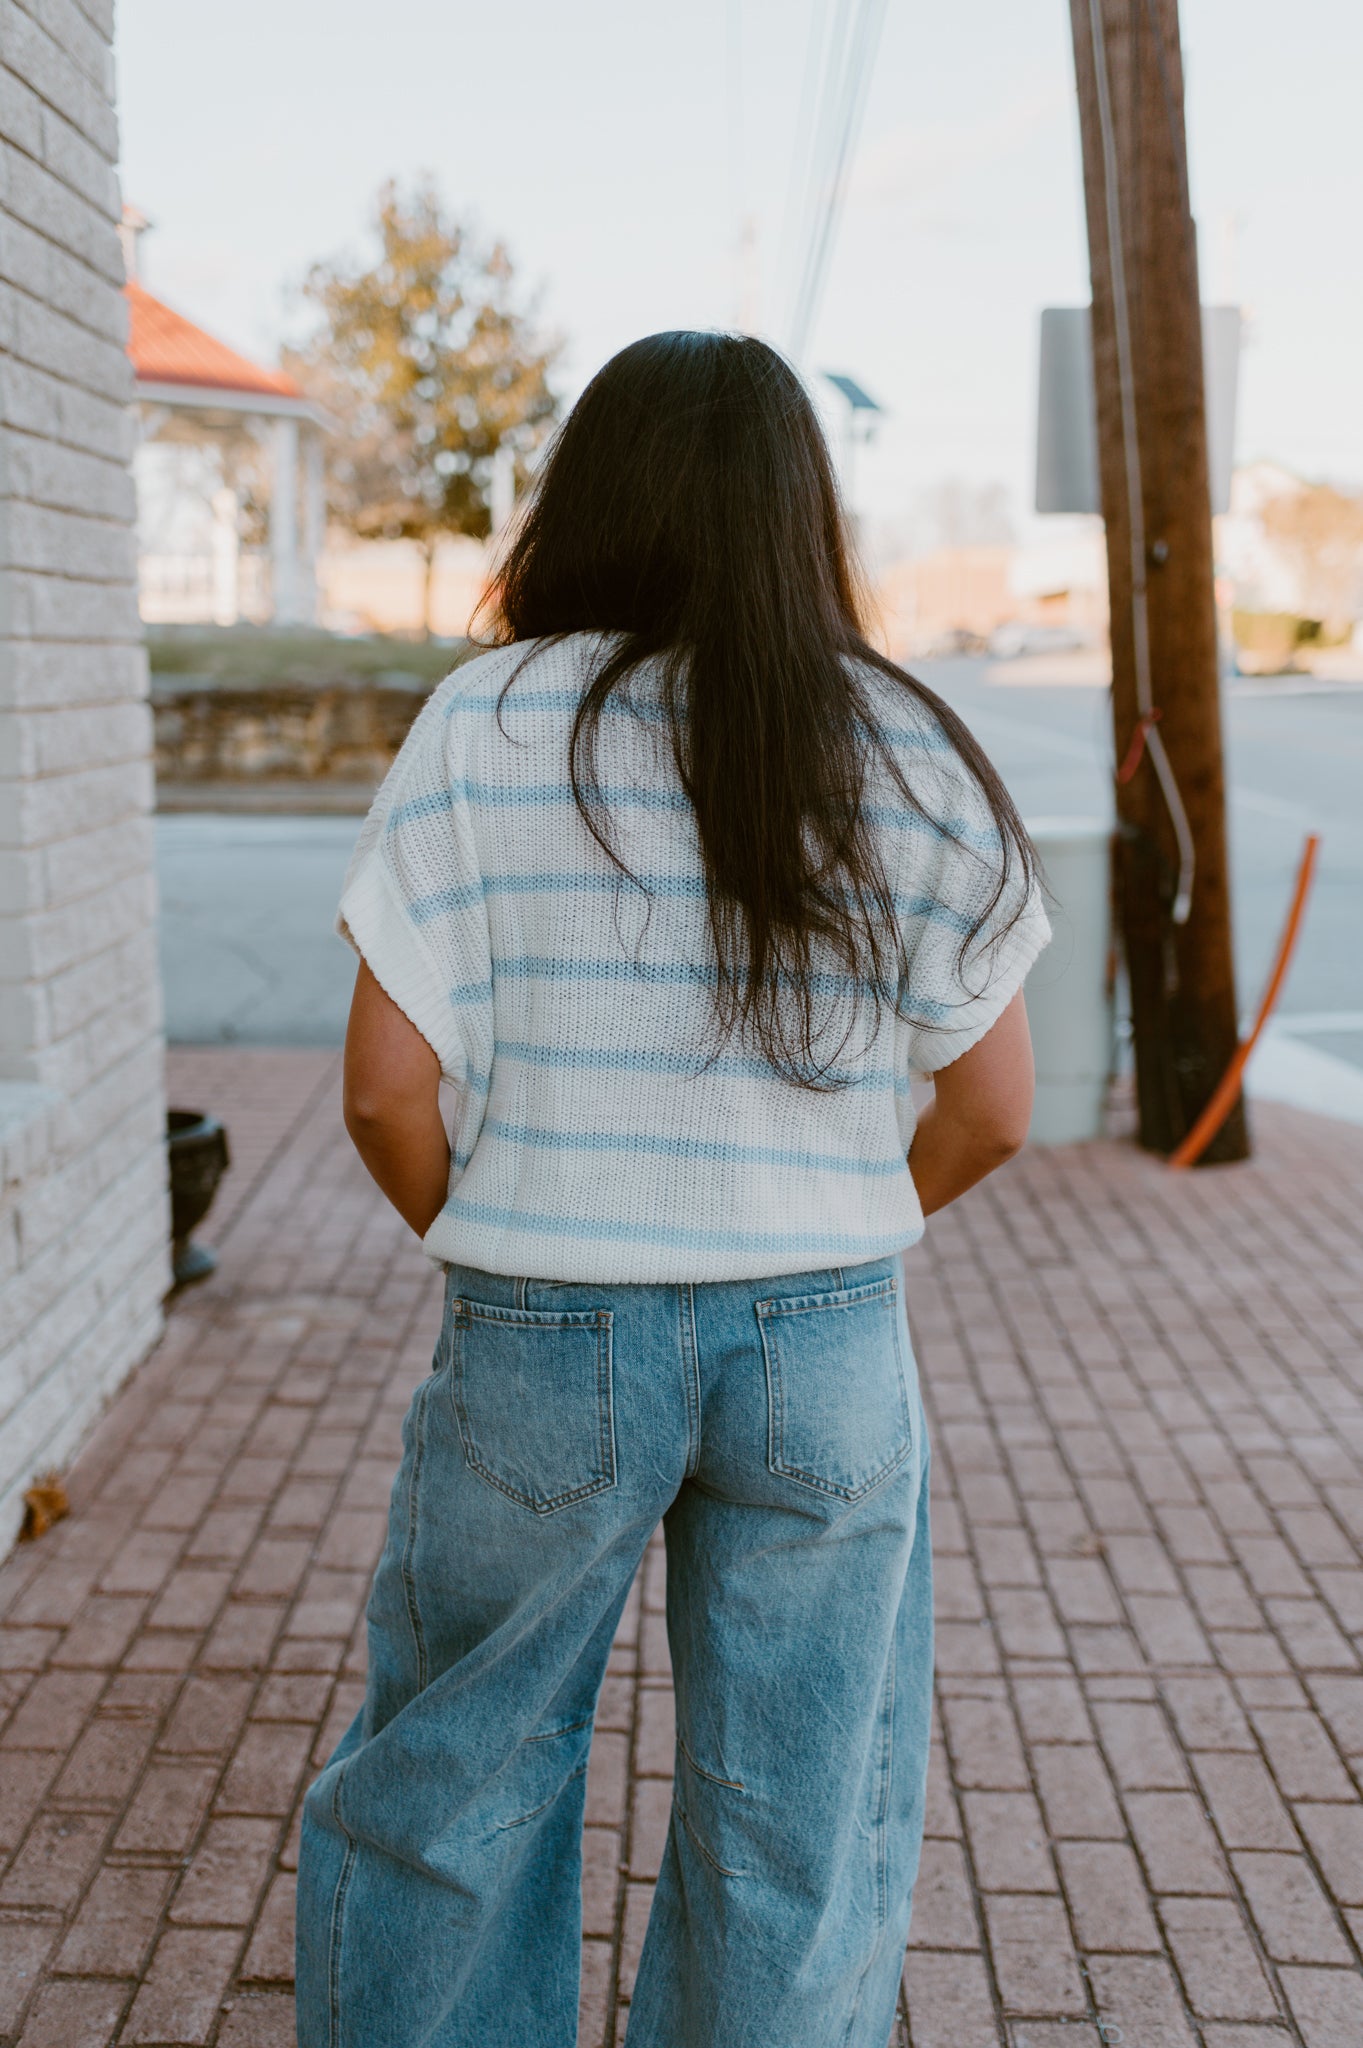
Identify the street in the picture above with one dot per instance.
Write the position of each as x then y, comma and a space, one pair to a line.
249, 956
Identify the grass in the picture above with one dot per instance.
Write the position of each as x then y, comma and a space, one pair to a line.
245, 657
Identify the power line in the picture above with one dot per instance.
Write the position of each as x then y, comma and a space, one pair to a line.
847, 64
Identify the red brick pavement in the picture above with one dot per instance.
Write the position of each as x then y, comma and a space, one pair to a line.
1146, 1396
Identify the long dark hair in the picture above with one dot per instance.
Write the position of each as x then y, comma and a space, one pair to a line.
688, 505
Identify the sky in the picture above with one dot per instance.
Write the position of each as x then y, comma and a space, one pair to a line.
616, 147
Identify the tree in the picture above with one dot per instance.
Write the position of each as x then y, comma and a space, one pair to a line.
431, 369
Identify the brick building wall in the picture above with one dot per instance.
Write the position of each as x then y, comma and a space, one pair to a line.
83, 1223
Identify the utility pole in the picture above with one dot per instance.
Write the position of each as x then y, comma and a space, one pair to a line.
1172, 882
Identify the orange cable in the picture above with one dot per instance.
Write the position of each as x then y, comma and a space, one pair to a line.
1190, 1150
1131, 761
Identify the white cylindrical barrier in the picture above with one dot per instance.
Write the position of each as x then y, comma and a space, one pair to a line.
1069, 1000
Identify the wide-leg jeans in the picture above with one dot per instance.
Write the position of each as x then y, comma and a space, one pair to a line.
775, 1428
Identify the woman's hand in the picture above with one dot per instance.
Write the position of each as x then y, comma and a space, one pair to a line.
392, 1109
979, 1114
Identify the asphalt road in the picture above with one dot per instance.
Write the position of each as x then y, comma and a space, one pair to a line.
249, 955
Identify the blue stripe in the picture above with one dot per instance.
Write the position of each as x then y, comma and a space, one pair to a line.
690, 1150
650, 974
823, 1244
628, 797
680, 888
927, 738
549, 882
607, 1059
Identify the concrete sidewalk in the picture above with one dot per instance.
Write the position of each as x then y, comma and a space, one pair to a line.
1146, 1398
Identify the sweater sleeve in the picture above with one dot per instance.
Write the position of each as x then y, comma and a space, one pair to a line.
412, 903
973, 922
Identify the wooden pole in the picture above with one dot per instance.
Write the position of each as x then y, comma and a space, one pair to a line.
1152, 454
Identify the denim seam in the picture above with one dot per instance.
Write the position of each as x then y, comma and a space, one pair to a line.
686, 1316
814, 1304
733, 1784
505, 1826
409, 1547
567, 1728
713, 1861
536, 1318
882, 1842
337, 1924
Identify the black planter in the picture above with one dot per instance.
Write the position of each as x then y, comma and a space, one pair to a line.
198, 1160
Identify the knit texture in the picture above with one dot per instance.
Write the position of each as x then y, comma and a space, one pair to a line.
602, 1131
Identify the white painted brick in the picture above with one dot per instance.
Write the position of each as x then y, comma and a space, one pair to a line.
84, 992
83, 1213
126, 1340
47, 1426
66, 608
57, 1210
37, 403
16, 952
24, 1028
69, 219
52, 543
76, 931
9, 1240
40, 674
29, 401
79, 32
121, 1028
78, 163
35, 813
122, 848
70, 739
73, 75
68, 480
59, 1291
26, 1130
35, 265
21, 114
131, 1089
100, 14
52, 341
78, 1281
22, 888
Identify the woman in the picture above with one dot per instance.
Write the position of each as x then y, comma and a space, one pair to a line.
675, 887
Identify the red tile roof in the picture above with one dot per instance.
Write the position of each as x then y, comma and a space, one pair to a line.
168, 349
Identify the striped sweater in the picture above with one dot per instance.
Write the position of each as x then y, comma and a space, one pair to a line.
601, 1129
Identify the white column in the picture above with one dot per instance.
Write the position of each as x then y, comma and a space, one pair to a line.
226, 558
284, 523
314, 523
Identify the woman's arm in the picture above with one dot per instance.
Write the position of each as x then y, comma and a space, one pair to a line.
392, 1110
979, 1113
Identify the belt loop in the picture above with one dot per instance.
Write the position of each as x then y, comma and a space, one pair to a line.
838, 1276
521, 1286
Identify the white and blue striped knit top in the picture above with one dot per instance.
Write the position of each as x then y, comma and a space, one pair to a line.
602, 1131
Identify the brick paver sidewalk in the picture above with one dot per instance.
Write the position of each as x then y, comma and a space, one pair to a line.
1146, 1396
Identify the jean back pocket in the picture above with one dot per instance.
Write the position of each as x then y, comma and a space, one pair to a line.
839, 1418
532, 1395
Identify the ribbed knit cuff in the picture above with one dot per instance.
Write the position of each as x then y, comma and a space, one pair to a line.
373, 919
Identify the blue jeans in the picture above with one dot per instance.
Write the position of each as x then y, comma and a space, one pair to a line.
776, 1429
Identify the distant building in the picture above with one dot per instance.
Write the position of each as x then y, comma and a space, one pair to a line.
230, 503
951, 598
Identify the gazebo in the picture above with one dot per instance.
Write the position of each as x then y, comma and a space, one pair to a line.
231, 512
